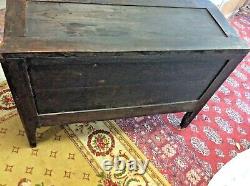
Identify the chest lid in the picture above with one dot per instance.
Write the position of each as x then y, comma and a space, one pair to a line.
115, 26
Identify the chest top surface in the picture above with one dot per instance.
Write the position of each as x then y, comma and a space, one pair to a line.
115, 26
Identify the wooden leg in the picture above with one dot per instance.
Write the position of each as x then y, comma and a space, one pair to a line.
31, 135
187, 119
29, 126
18, 80
215, 84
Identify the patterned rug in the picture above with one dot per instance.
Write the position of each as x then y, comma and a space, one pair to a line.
72, 155
221, 130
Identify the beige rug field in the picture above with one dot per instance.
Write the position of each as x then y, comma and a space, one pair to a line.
66, 156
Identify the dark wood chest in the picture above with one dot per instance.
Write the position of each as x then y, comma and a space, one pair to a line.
68, 61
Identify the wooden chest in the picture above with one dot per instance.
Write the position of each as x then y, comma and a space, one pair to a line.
69, 61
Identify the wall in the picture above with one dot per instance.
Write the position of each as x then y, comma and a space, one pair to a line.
219, 2
2, 4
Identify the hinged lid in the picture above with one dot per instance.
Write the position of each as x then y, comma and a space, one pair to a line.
171, 3
115, 26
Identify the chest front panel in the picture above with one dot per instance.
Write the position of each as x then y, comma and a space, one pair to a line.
74, 84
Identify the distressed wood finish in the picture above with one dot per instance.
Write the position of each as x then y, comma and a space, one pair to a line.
150, 3
16, 74
118, 81
121, 23
71, 61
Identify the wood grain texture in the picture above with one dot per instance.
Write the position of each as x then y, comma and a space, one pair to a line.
118, 26
34, 46
106, 26
15, 16
121, 70
77, 99
74, 84
155, 3
110, 23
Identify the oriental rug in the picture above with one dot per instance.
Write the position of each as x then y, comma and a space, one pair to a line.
220, 131
71, 155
